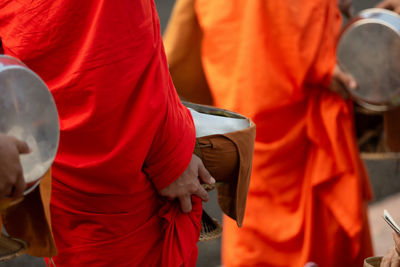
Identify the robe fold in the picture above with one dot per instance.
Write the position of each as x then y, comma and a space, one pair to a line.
124, 133
272, 61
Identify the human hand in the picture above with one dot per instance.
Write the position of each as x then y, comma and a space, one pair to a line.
346, 7
392, 258
12, 181
341, 82
188, 184
393, 5
396, 238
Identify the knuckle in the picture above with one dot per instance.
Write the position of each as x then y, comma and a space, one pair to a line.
193, 188
207, 175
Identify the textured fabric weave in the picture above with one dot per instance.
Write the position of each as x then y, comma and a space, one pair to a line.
272, 62
124, 132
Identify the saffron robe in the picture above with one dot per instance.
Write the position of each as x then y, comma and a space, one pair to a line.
123, 132
272, 61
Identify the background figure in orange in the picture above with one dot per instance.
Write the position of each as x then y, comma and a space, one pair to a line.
275, 62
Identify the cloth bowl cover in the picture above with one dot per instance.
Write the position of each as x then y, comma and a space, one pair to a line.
228, 157
29, 221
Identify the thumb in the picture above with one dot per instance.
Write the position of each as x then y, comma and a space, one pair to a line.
345, 78
22, 146
204, 175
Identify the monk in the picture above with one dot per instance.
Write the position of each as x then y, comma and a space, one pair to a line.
275, 62
125, 185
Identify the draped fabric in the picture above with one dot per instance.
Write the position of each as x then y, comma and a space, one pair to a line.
272, 61
123, 131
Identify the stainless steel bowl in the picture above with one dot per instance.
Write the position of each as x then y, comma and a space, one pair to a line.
28, 112
369, 49
211, 120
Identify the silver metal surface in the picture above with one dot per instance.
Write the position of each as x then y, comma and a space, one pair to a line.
369, 49
211, 120
208, 124
28, 112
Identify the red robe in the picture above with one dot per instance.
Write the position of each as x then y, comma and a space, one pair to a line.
272, 61
124, 133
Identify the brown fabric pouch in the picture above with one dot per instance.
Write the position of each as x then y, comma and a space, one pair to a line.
29, 220
372, 262
228, 158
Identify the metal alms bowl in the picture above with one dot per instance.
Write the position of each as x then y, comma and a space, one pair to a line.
211, 120
28, 112
369, 49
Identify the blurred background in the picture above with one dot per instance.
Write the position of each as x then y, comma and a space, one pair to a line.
384, 170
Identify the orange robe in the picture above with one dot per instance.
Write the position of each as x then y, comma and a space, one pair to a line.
123, 131
272, 61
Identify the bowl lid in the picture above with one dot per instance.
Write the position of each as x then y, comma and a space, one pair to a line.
369, 49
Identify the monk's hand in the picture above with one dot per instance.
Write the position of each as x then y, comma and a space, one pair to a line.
341, 82
392, 258
346, 7
393, 5
188, 184
396, 238
12, 181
